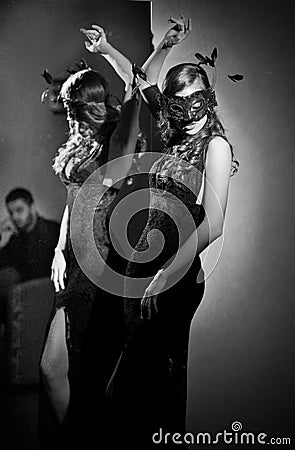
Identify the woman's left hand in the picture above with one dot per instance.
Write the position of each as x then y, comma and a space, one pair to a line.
149, 300
97, 39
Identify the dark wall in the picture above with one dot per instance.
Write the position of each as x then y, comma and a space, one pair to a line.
36, 35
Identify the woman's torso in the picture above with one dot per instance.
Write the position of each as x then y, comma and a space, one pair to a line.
88, 202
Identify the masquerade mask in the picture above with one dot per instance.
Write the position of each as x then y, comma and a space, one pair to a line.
191, 107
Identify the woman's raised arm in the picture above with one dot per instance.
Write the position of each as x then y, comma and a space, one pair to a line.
97, 43
123, 140
178, 33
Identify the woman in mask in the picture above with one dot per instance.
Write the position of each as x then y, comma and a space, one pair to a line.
164, 282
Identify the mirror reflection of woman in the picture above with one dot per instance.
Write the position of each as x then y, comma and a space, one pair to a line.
98, 133
148, 389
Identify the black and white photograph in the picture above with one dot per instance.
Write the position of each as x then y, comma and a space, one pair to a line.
146, 224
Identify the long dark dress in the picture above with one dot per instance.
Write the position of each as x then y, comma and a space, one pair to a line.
77, 300
148, 389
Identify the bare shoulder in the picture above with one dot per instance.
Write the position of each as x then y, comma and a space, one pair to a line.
219, 144
219, 150
218, 158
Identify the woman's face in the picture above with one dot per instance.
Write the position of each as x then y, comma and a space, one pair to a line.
194, 126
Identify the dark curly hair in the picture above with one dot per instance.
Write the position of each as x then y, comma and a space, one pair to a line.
92, 118
177, 78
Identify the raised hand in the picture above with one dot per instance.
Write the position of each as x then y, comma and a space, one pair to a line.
6, 231
179, 32
97, 41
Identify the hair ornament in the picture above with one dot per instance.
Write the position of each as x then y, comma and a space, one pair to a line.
210, 61
82, 65
55, 82
236, 77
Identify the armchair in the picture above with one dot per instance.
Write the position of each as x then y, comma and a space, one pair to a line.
28, 308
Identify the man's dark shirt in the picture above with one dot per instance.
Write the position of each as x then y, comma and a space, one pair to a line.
31, 253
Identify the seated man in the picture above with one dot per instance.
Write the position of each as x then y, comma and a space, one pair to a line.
27, 242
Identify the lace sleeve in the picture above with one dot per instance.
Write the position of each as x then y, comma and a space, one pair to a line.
153, 97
